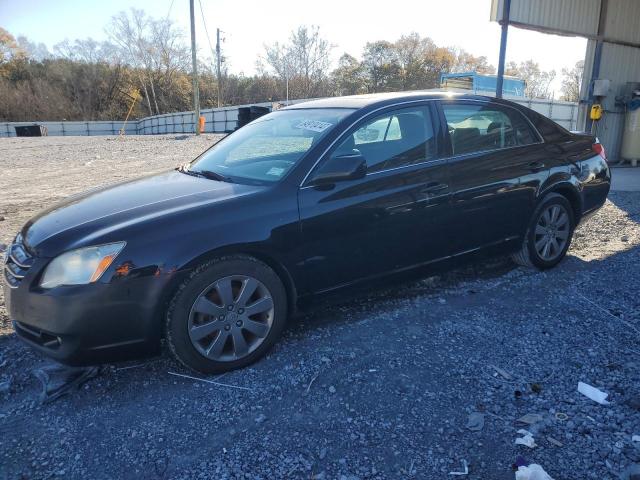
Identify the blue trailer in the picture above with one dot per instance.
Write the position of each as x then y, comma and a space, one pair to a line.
481, 83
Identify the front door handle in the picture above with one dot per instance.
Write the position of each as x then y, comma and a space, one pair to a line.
434, 187
536, 166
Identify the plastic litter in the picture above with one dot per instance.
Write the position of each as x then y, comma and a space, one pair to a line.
530, 418
465, 469
475, 421
526, 439
503, 373
593, 393
532, 472
635, 438
58, 380
555, 442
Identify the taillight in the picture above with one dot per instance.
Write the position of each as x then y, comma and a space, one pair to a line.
599, 149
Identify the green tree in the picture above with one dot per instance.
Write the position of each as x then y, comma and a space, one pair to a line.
349, 77
381, 67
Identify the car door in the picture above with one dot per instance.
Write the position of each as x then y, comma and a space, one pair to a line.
394, 217
496, 164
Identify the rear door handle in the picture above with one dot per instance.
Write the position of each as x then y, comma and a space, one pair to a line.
434, 187
536, 166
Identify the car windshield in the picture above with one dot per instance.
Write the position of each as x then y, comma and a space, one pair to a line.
267, 148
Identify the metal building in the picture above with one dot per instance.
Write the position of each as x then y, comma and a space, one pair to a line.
481, 83
612, 28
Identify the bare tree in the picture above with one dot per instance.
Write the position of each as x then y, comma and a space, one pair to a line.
130, 34
571, 82
303, 62
34, 51
537, 81
467, 62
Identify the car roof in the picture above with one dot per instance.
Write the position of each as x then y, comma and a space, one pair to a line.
381, 99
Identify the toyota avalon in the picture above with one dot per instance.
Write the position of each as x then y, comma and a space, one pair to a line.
215, 255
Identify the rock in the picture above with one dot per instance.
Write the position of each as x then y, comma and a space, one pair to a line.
261, 418
5, 387
475, 421
632, 472
634, 402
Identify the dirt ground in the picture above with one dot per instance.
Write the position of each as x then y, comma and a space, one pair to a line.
387, 383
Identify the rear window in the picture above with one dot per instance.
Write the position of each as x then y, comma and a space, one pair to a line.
477, 127
549, 129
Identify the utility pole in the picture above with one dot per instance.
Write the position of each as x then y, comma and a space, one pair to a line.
218, 67
196, 91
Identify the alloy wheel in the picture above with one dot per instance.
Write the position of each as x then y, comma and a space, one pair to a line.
231, 318
552, 232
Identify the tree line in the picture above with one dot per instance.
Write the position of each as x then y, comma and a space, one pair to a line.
146, 62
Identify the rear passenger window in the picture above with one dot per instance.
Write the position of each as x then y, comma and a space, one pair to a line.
395, 139
478, 127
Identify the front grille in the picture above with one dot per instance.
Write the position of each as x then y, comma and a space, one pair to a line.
17, 262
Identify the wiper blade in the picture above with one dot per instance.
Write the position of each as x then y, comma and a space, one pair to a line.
212, 175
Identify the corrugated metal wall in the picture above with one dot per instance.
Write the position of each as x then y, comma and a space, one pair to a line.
561, 16
620, 64
622, 22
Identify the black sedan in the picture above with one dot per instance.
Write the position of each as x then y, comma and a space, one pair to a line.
215, 255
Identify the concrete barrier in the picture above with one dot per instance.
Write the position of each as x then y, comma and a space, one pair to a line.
225, 119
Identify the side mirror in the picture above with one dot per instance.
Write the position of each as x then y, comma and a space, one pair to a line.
352, 166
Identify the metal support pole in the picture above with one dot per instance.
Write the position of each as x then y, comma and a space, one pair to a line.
503, 47
194, 60
597, 57
218, 67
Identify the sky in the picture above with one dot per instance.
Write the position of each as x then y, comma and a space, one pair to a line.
248, 24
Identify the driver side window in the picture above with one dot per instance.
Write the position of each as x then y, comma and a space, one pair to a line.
394, 139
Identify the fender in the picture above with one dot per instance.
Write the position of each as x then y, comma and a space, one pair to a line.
568, 185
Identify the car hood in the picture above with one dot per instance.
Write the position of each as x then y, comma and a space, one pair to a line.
95, 213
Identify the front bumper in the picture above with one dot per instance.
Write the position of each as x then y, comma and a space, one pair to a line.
89, 324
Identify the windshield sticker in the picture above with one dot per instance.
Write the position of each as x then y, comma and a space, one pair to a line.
313, 125
276, 171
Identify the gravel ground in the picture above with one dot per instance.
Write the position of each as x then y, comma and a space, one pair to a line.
398, 382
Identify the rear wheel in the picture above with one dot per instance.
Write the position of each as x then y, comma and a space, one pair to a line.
548, 235
226, 315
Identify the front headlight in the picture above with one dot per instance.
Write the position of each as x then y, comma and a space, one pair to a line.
82, 266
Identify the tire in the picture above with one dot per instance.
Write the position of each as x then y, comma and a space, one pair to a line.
212, 328
529, 254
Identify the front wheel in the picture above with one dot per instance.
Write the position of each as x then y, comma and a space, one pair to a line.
549, 234
226, 315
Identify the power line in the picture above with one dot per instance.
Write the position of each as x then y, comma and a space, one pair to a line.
204, 22
169, 11
216, 53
